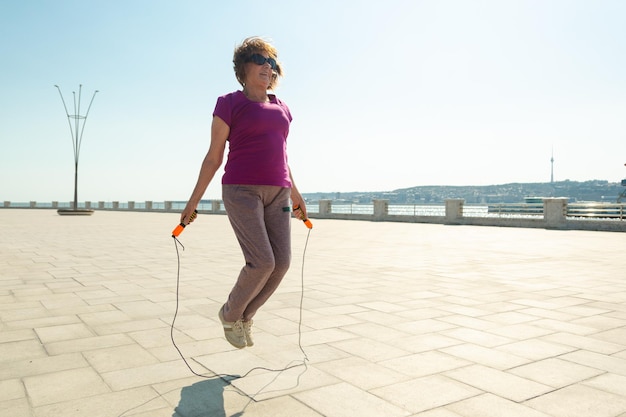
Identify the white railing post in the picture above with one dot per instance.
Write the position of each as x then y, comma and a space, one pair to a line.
454, 209
554, 211
381, 209
325, 207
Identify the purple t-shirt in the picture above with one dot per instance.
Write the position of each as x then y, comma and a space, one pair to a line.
257, 150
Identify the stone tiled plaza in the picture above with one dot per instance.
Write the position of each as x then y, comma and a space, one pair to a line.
398, 319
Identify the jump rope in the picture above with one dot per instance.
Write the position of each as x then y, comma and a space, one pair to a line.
229, 377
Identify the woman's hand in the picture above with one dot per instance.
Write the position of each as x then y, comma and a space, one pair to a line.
188, 215
299, 206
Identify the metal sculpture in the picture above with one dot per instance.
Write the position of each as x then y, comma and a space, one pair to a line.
76, 131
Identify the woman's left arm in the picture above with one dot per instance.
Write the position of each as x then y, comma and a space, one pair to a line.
296, 199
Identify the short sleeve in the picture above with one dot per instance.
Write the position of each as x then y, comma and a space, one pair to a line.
223, 109
285, 109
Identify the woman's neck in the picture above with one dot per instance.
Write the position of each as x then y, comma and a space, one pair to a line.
256, 94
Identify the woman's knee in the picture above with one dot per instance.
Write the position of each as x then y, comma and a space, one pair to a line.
281, 264
271, 264
264, 266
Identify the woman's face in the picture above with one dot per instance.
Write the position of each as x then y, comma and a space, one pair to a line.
260, 70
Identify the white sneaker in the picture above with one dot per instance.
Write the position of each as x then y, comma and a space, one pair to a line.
233, 331
247, 330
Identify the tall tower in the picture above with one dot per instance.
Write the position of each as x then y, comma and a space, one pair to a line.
552, 167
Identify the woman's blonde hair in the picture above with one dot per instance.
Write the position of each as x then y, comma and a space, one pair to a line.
250, 46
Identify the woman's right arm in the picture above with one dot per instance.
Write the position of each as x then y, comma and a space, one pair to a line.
212, 161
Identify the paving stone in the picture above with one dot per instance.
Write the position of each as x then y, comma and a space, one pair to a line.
556, 372
262, 384
612, 383
94, 319
426, 393
15, 408
596, 360
119, 357
11, 389
469, 322
362, 373
477, 337
128, 326
615, 335
463, 310
343, 399
520, 331
43, 322
64, 332
315, 337
17, 335
87, 343
380, 317
63, 386
372, 350
536, 349
500, 383
372, 330
424, 326
142, 309
589, 343
585, 311
56, 301
549, 314
567, 327
277, 407
437, 412
426, 342
324, 353
123, 403
82, 309
161, 412
144, 375
489, 405
22, 314
510, 318
382, 306
485, 356
16, 351
158, 337
426, 363
41, 365
579, 401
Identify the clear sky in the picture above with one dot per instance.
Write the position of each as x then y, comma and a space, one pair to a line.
385, 94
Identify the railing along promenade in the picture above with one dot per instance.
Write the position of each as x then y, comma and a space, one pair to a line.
552, 213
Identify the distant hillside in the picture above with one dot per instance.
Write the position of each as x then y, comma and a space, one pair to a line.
595, 190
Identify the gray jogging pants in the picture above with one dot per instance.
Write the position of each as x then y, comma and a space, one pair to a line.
261, 219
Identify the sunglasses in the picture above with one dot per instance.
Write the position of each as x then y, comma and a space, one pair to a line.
260, 60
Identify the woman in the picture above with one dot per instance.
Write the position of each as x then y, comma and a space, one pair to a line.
257, 183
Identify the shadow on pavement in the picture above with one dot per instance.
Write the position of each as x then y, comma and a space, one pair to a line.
203, 399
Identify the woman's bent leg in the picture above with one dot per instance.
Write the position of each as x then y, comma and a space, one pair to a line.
260, 225
278, 226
